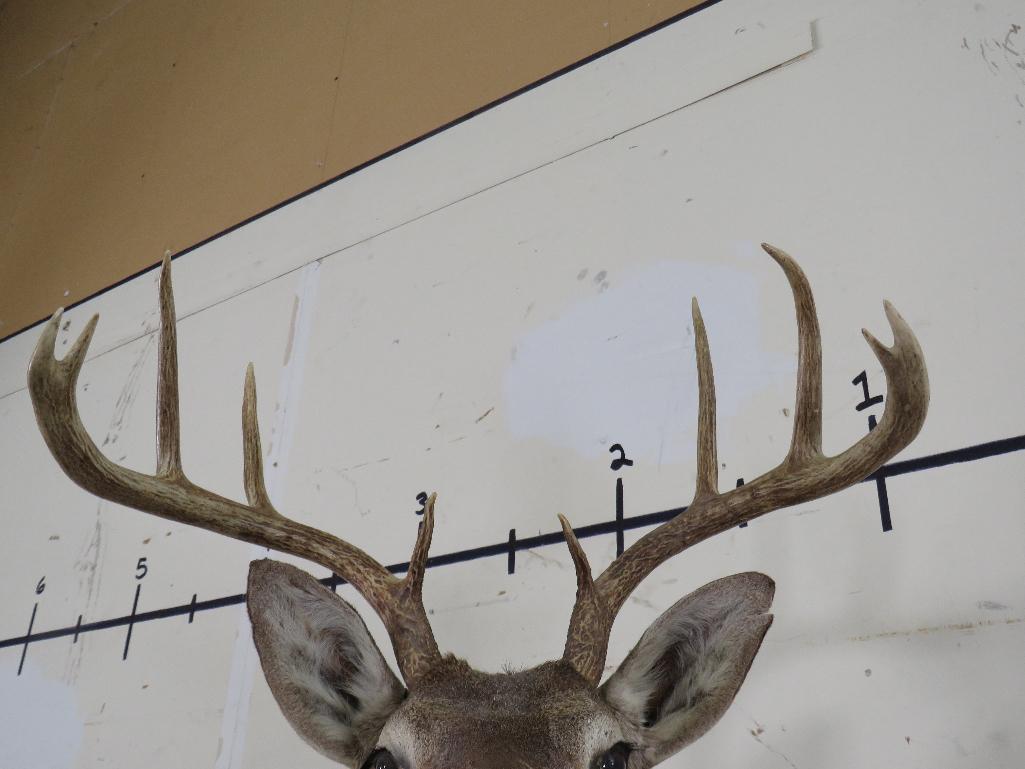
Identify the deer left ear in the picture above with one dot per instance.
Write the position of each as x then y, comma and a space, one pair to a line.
320, 661
686, 669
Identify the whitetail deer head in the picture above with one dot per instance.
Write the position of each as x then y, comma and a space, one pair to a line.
332, 682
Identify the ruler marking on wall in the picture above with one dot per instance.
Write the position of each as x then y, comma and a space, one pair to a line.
505, 548
885, 520
131, 621
511, 563
884, 498
619, 517
28, 637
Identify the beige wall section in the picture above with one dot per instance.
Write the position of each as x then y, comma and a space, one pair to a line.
132, 127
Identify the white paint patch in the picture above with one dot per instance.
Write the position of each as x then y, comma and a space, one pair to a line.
244, 662
620, 366
40, 726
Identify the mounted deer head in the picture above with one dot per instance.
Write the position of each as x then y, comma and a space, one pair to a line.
332, 682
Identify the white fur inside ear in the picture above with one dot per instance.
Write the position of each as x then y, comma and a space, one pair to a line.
324, 669
333, 662
688, 665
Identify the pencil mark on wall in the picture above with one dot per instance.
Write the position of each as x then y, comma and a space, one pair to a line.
992, 606
952, 627
758, 733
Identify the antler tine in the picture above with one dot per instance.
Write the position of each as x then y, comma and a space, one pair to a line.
169, 454
414, 578
52, 385
252, 454
169, 494
806, 443
589, 611
907, 401
708, 470
804, 474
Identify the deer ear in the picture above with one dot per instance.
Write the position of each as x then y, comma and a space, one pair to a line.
686, 669
323, 667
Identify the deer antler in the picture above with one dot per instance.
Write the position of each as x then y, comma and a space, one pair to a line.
804, 474
169, 494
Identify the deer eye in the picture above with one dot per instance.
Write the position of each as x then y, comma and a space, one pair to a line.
613, 758
381, 759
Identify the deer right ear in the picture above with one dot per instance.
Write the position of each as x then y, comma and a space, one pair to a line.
328, 676
686, 669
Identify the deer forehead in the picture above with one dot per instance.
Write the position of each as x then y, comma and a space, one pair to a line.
466, 718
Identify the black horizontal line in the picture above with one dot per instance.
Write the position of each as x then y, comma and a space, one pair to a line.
945, 458
932, 461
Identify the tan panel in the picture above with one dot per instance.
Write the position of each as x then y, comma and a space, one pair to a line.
170, 125
448, 58
166, 122
628, 19
28, 102
32, 32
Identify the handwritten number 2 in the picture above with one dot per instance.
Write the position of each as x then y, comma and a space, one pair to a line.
621, 460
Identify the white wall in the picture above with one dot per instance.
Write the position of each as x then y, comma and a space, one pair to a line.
535, 264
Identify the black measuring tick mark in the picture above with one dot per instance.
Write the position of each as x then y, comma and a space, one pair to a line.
878, 476
141, 570
40, 587
192, 608
619, 517
511, 567
884, 497
131, 621
618, 463
28, 637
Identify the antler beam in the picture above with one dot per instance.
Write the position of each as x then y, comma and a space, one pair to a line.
803, 475
169, 494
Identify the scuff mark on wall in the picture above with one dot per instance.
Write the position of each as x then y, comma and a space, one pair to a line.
244, 664
88, 565
122, 406
291, 332
467, 606
1004, 58
953, 627
758, 733
89, 570
992, 606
